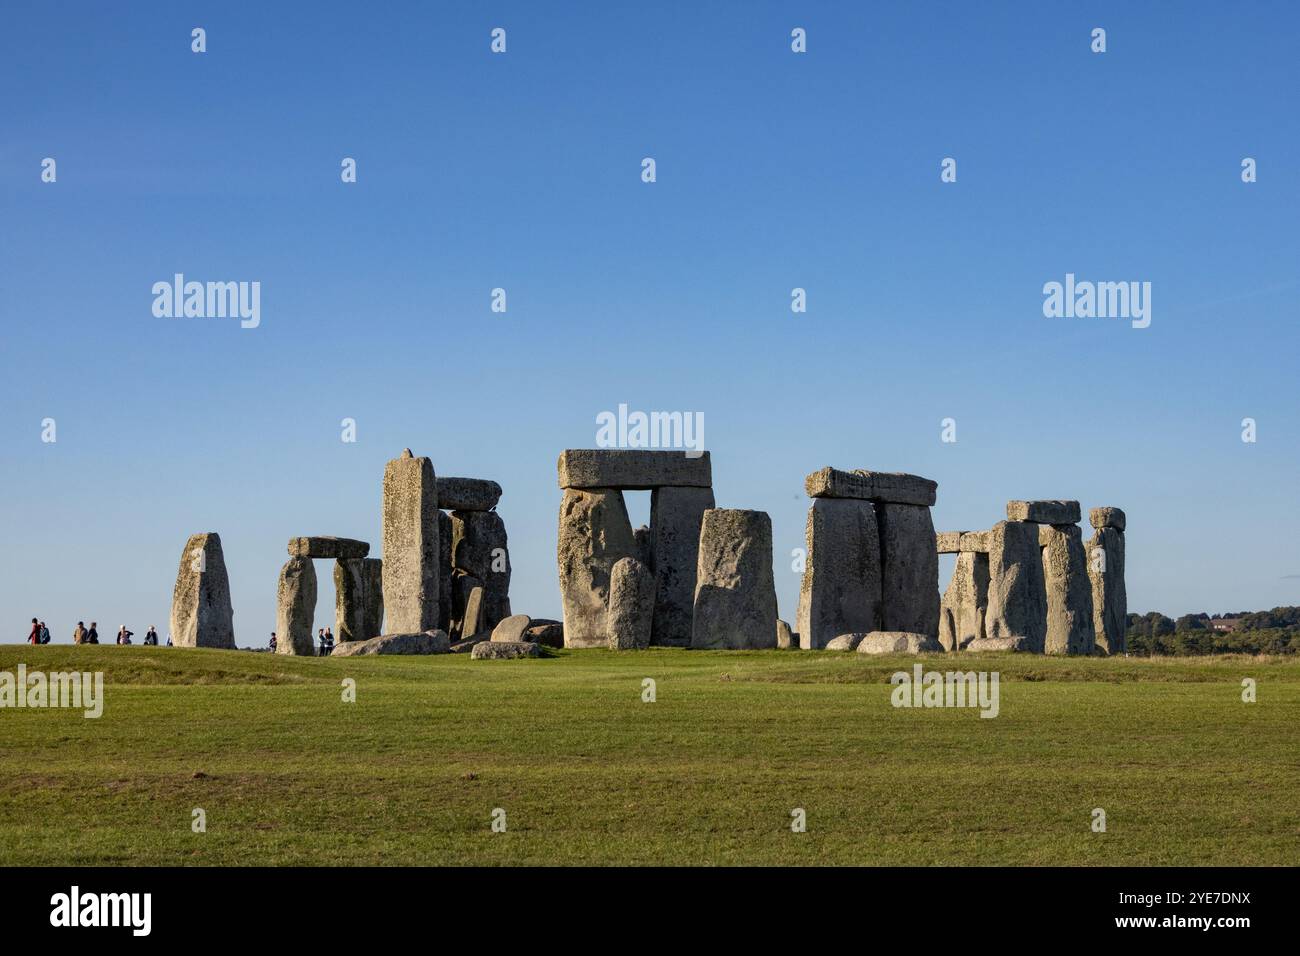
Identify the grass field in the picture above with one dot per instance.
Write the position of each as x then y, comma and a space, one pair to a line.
410, 773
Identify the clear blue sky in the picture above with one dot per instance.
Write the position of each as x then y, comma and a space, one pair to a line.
522, 170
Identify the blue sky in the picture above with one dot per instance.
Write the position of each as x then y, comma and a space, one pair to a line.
774, 170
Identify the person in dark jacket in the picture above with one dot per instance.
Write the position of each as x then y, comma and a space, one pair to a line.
151, 636
45, 633
92, 636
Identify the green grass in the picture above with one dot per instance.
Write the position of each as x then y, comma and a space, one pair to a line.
708, 774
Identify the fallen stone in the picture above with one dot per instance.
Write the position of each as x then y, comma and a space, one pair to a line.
480, 548
1017, 594
546, 633
1106, 518
893, 487
201, 615
840, 591
735, 595
1069, 593
984, 644
785, 638
410, 536
898, 642
468, 644
467, 494
633, 469
594, 534
504, 650
964, 604
512, 628
1109, 594
295, 607
1044, 512
324, 546
631, 605
845, 642
909, 570
426, 642
676, 515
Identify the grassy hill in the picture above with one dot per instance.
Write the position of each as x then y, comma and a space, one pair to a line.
410, 773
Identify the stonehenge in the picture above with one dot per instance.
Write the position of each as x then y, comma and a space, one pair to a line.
1017, 598
410, 536
631, 605
898, 642
295, 605
201, 615
479, 550
735, 593
1106, 577
1069, 592
841, 586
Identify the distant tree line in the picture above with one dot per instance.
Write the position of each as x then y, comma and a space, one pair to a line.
1255, 632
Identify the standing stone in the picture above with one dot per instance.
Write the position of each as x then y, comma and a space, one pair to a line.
964, 604
735, 593
675, 518
1069, 593
786, 639
472, 624
349, 600
479, 548
372, 590
444, 570
594, 534
631, 605
410, 533
1017, 596
1109, 595
295, 608
909, 575
201, 615
841, 587
642, 538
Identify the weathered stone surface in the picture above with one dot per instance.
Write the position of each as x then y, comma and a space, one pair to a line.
201, 615
468, 644
1044, 512
462, 586
372, 588
631, 605
410, 536
1069, 593
633, 469
1107, 518
546, 633
1109, 594
325, 546
976, 542
735, 595
948, 542
512, 628
504, 650
349, 600
472, 623
594, 534
898, 642
785, 638
446, 598
841, 587
480, 548
962, 610
1017, 595
295, 608
998, 644
426, 642
845, 642
894, 487
642, 538
909, 570
675, 518
467, 494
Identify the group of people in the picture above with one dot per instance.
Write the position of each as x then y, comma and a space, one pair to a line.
90, 635
324, 637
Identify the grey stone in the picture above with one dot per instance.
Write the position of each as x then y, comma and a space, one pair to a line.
472, 623
675, 518
546, 633
735, 595
512, 628
976, 542
1044, 512
898, 642
1017, 595
841, 587
642, 538
1018, 644
201, 615
425, 642
948, 542
594, 534
410, 536
893, 487
785, 638
1069, 593
631, 605
1107, 518
446, 598
468, 644
324, 546
467, 494
964, 604
462, 586
1109, 595
845, 642
349, 600
634, 469
504, 650
295, 607
480, 548
372, 589
909, 575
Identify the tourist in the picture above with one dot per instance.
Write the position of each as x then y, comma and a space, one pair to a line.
45, 633
169, 638
272, 648
92, 636
151, 637
329, 642
123, 635
320, 639
35, 636
79, 635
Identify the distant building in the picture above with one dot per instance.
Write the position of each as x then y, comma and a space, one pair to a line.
1227, 623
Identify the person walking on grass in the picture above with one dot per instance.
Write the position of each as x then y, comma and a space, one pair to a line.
79, 635
35, 636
